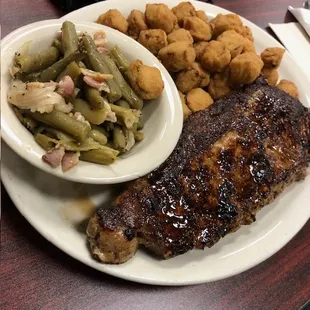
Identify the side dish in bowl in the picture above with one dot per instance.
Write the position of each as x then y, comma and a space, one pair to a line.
84, 96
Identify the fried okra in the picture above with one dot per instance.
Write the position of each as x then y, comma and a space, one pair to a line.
114, 19
216, 57
245, 68
186, 80
219, 85
289, 87
153, 39
202, 15
193, 77
248, 46
245, 31
271, 75
204, 75
198, 99
136, 23
223, 23
158, 16
145, 80
199, 30
200, 48
180, 35
272, 57
233, 41
183, 10
177, 56
186, 111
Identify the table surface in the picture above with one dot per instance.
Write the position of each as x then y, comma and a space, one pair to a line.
36, 275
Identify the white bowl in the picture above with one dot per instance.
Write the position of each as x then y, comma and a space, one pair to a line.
164, 116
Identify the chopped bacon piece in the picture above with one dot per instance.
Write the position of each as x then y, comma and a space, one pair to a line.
66, 86
100, 38
102, 50
101, 86
69, 160
99, 35
54, 157
100, 77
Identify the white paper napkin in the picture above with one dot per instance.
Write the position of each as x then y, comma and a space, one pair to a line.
303, 17
296, 41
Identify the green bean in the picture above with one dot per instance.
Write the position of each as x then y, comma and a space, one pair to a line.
141, 122
98, 136
93, 97
27, 77
104, 156
120, 68
100, 129
46, 142
69, 38
134, 127
94, 116
49, 143
86, 64
57, 43
98, 65
34, 62
51, 73
87, 145
129, 95
64, 122
119, 141
129, 138
27, 121
128, 117
82, 65
58, 134
123, 103
139, 135
40, 129
73, 70
120, 59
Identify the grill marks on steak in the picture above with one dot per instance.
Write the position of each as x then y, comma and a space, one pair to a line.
230, 161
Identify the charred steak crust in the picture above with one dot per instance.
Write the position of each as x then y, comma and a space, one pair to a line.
231, 160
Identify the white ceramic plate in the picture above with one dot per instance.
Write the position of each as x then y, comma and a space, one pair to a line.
48, 203
163, 116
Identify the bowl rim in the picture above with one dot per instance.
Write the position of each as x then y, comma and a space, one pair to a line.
176, 104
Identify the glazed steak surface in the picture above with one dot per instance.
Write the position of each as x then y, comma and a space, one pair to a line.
231, 160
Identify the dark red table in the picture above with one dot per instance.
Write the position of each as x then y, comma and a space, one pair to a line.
36, 275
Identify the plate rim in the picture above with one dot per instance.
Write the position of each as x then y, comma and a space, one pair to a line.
264, 257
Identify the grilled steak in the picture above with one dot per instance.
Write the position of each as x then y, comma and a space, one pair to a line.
230, 161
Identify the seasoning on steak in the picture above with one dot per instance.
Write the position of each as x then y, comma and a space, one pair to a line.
230, 161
